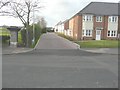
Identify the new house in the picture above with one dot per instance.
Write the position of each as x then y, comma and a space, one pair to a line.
97, 21
59, 27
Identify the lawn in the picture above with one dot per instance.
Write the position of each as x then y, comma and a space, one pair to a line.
99, 44
93, 43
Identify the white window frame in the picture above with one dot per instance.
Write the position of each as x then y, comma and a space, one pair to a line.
112, 33
87, 33
87, 17
83, 32
99, 18
113, 19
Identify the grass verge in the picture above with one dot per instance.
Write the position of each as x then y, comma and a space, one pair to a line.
67, 37
99, 44
94, 43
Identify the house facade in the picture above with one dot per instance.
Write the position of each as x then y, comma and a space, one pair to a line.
59, 27
97, 21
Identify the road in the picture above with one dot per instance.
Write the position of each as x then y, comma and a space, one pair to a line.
59, 68
53, 41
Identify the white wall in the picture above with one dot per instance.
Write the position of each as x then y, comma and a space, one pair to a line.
87, 25
112, 25
55, 28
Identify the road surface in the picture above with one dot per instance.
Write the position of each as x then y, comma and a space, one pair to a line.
59, 68
53, 41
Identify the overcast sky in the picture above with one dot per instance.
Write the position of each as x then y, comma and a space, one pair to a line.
54, 11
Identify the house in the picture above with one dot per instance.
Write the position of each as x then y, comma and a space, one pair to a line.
97, 21
59, 27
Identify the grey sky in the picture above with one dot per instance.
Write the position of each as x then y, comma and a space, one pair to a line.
55, 11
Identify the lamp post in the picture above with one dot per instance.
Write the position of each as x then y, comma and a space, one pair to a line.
33, 25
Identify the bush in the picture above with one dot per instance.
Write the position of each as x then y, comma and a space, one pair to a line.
44, 30
37, 33
5, 38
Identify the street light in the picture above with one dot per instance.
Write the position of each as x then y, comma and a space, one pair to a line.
33, 25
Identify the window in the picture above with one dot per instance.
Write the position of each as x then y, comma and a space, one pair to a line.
87, 18
98, 18
112, 33
108, 33
70, 32
113, 18
83, 32
84, 18
87, 33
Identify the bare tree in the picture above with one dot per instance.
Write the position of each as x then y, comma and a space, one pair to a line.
42, 22
3, 3
23, 10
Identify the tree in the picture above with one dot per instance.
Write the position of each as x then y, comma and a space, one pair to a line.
3, 3
22, 10
42, 22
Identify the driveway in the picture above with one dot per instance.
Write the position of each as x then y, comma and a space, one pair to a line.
53, 41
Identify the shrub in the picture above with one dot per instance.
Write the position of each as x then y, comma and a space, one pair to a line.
5, 38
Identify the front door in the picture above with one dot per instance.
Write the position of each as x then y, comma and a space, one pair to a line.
98, 34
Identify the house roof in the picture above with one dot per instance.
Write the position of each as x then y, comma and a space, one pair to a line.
66, 21
100, 8
58, 23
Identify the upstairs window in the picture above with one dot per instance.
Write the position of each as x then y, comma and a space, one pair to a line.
98, 18
87, 18
113, 18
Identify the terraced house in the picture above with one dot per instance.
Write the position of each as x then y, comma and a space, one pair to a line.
97, 21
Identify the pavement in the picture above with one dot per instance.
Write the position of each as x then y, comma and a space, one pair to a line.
102, 50
14, 50
56, 42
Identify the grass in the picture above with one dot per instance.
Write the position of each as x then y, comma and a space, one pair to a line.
19, 37
36, 41
64, 36
99, 44
93, 43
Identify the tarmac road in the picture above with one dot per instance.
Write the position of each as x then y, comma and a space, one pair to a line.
59, 68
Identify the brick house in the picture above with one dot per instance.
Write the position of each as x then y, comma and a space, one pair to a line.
62, 27
97, 21
57, 27
66, 27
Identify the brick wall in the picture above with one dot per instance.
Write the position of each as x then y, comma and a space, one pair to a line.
66, 25
103, 25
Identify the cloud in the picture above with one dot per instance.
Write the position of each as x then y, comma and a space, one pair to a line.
10, 21
59, 10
